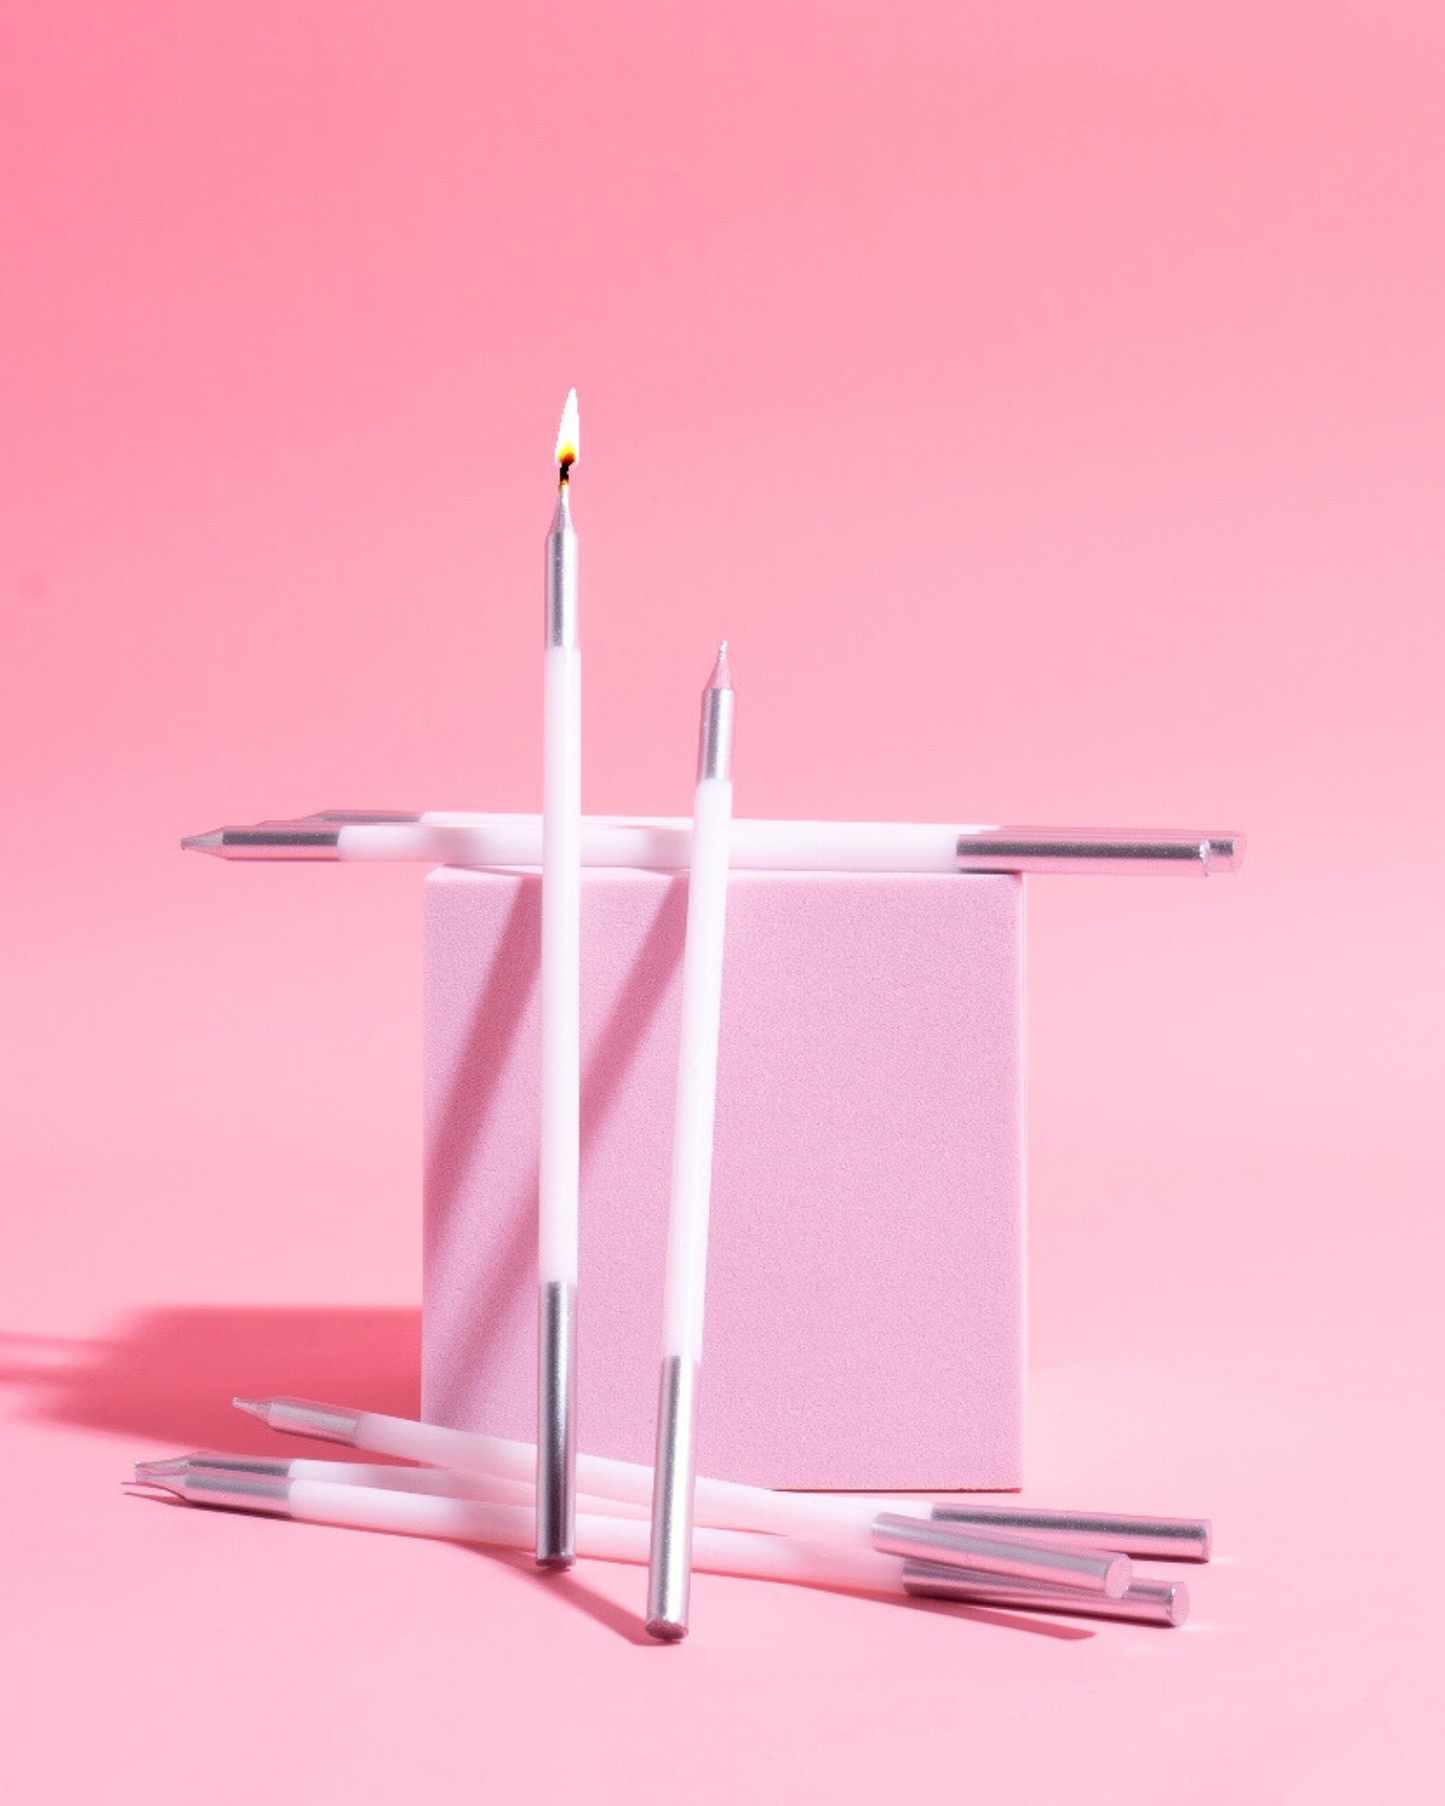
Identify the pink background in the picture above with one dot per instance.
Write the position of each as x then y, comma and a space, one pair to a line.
1047, 403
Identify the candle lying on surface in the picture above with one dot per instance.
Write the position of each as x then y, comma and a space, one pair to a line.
446, 1481
817, 1516
848, 1522
234, 1483
1142, 1602
663, 843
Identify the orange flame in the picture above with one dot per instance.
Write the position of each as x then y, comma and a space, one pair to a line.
568, 435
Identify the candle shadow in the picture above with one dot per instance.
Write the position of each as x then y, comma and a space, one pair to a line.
488, 1281
570, 1587
1039, 1625
168, 1375
475, 1288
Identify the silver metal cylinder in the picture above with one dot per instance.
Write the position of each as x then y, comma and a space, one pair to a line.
257, 1467
562, 575
268, 840
669, 1571
366, 818
299, 1417
1151, 1539
1144, 1602
715, 737
237, 1491
1079, 850
556, 1449
923, 1539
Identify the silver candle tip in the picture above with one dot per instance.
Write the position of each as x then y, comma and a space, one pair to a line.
722, 677
147, 1471
254, 1407
171, 1483
203, 843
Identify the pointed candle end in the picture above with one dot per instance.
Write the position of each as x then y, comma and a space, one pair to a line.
254, 1407
147, 1472
722, 677
202, 843
174, 1484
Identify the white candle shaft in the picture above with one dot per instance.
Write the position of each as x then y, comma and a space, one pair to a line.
664, 845
603, 1538
685, 1283
832, 1517
450, 1482
561, 979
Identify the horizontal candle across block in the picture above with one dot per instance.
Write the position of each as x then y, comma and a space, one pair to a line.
865, 1286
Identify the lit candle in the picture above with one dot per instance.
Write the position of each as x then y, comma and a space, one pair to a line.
561, 1032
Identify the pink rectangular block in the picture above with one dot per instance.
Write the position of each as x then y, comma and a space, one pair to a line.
865, 1285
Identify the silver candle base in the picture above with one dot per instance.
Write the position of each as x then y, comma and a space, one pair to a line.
1099, 1571
1163, 1602
1152, 1539
669, 1571
556, 1427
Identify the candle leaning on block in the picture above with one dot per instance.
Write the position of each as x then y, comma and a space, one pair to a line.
685, 1281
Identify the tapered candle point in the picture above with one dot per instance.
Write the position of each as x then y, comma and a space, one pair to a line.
174, 1484
148, 1471
254, 1407
722, 677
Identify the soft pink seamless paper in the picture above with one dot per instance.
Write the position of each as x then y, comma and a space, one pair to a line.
1046, 402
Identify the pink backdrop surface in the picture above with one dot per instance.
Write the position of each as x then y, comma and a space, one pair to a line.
1046, 401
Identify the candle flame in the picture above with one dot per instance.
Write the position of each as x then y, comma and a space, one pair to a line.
568, 436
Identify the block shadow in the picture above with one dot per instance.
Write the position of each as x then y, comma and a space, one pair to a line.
168, 1375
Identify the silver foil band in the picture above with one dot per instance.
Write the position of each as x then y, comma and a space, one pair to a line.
299, 1418
249, 1492
961, 1546
562, 587
1152, 1539
556, 1425
1163, 1602
715, 736
669, 1573
1048, 850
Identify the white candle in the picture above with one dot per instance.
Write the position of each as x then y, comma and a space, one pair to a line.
669, 1567
348, 1500
561, 1006
451, 837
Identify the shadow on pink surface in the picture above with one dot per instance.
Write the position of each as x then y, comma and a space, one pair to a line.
496, 1280
169, 1374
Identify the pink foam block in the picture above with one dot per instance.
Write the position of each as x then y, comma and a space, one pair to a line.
865, 1284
